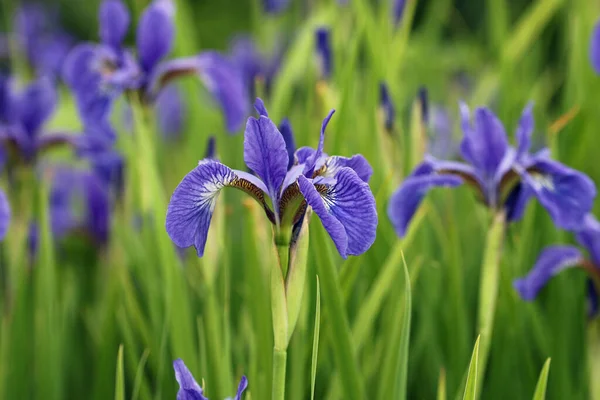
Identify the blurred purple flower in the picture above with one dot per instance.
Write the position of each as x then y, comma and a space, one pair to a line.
503, 177
23, 114
324, 52
595, 48
387, 106
398, 7
335, 187
98, 73
440, 140
189, 388
275, 6
170, 112
554, 259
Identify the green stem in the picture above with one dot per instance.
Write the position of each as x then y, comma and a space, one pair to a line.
283, 256
488, 291
279, 364
593, 352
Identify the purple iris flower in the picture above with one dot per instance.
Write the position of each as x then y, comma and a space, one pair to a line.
504, 177
554, 259
335, 187
398, 7
440, 140
98, 73
23, 113
189, 388
595, 48
40, 38
387, 107
4, 214
324, 52
170, 112
275, 6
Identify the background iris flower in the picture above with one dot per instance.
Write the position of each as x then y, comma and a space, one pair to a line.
503, 177
189, 388
335, 187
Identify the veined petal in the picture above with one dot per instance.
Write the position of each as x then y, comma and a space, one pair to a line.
36, 105
241, 387
566, 194
595, 48
312, 161
221, 78
265, 153
4, 215
358, 163
288, 137
406, 199
188, 387
551, 261
193, 201
346, 209
589, 237
524, 131
485, 144
155, 33
114, 21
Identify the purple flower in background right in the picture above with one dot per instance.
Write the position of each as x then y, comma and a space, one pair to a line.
595, 48
554, 259
503, 177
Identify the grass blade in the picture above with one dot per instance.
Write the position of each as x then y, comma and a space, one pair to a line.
402, 366
120, 377
315, 349
471, 385
540, 389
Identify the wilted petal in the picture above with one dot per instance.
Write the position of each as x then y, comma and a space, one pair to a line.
406, 199
265, 153
188, 387
566, 194
524, 131
241, 387
595, 48
37, 103
288, 137
324, 52
155, 33
485, 144
221, 78
4, 215
114, 21
589, 237
551, 261
346, 209
169, 111
358, 163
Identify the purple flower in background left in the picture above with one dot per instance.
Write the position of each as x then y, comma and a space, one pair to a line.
98, 73
503, 177
23, 113
554, 259
189, 388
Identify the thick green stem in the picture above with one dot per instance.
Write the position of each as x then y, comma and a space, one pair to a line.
488, 291
279, 364
283, 256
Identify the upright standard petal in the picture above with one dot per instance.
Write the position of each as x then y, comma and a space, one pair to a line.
188, 387
484, 144
595, 48
568, 195
241, 387
313, 162
37, 103
406, 199
193, 202
265, 153
589, 237
221, 78
114, 22
551, 261
4, 215
346, 209
288, 137
524, 131
155, 33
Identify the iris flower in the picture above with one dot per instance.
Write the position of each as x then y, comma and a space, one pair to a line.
335, 187
503, 177
387, 107
23, 114
98, 73
595, 48
324, 52
554, 259
275, 6
189, 388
